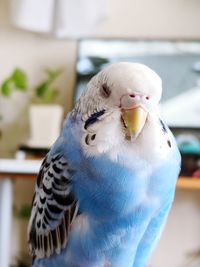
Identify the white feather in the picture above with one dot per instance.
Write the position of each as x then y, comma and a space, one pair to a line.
123, 79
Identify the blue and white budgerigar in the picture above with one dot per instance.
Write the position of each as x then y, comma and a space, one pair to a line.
105, 188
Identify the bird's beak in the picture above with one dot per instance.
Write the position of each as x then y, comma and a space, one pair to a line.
134, 120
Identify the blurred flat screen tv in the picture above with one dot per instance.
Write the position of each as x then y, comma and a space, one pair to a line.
177, 62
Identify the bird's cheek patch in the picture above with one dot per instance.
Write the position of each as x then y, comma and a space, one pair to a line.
89, 138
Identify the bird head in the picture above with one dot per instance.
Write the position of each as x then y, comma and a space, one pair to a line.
118, 103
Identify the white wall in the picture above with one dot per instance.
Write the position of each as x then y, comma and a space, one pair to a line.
153, 18
34, 52
181, 236
129, 18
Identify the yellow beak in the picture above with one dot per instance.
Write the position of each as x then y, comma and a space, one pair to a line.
134, 120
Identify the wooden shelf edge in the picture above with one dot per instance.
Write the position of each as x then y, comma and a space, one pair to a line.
182, 183
188, 183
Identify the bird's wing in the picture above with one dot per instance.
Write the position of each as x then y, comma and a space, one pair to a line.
54, 208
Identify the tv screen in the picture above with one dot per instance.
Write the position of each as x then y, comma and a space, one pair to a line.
177, 62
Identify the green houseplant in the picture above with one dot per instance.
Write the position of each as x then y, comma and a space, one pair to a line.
13, 90
45, 92
45, 115
16, 80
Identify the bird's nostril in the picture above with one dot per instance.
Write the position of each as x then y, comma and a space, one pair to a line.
132, 95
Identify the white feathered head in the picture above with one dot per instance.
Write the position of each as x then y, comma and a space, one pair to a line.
118, 104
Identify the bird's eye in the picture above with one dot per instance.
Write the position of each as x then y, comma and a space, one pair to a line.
105, 90
89, 138
132, 95
147, 97
93, 137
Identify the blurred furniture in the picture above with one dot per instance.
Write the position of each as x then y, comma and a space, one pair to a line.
62, 19
11, 169
188, 183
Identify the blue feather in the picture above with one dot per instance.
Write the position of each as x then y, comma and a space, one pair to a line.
125, 209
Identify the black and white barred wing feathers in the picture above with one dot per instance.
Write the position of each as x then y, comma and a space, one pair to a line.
54, 208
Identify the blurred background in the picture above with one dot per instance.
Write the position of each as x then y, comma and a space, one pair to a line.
48, 51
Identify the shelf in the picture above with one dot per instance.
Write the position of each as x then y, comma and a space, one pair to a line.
188, 183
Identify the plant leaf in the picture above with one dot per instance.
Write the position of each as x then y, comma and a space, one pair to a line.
6, 87
53, 74
42, 88
50, 96
19, 78
22, 212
